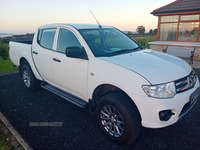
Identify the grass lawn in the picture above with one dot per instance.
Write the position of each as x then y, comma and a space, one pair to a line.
4, 137
6, 65
7, 140
4, 145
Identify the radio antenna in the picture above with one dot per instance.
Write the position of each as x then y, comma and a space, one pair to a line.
95, 19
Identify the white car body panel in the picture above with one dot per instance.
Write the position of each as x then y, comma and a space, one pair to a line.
153, 106
20, 50
109, 73
73, 81
155, 66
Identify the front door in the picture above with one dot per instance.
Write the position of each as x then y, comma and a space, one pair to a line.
70, 74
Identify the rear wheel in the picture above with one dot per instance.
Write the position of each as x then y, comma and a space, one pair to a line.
30, 82
118, 118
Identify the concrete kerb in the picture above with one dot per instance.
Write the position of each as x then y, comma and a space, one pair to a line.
15, 133
8, 72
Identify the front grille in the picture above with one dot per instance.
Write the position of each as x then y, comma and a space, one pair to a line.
186, 83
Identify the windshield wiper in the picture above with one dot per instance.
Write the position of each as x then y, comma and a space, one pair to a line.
123, 51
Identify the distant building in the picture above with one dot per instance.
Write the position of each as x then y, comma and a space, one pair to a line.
178, 22
25, 37
130, 32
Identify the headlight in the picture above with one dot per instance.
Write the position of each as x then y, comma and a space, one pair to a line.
167, 90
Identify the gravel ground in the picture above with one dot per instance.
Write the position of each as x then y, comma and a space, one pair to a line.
79, 129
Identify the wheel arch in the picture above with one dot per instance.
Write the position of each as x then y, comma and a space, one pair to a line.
104, 89
22, 62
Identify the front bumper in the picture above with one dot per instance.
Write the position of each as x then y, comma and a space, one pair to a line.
150, 108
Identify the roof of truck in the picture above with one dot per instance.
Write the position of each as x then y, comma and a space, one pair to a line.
77, 26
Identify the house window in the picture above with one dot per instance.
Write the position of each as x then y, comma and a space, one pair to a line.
169, 18
190, 17
188, 31
168, 31
180, 28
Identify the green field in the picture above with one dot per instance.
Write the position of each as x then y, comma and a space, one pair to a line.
5, 62
6, 65
143, 39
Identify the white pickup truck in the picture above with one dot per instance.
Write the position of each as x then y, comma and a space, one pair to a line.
100, 68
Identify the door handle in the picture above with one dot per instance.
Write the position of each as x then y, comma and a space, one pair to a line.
55, 59
34, 52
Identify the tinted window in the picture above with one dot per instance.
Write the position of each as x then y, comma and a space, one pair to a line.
46, 38
105, 42
66, 39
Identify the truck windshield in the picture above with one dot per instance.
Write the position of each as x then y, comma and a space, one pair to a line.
107, 42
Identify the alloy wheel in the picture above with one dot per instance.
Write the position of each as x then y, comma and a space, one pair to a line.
112, 121
26, 78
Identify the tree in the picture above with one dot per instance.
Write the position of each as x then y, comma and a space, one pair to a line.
155, 31
140, 29
195, 31
3, 51
150, 31
129, 32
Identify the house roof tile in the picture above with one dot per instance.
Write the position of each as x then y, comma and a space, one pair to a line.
179, 6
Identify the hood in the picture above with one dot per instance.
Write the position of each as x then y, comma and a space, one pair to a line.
155, 66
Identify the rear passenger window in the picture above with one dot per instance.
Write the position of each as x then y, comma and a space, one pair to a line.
46, 38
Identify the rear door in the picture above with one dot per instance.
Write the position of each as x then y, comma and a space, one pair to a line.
42, 53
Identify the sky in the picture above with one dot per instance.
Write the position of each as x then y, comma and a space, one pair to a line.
24, 16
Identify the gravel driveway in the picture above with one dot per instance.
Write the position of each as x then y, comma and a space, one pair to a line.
79, 129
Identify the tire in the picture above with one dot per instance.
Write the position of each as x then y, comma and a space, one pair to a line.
28, 78
118, 118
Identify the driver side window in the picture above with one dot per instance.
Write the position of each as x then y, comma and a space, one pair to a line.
66, 39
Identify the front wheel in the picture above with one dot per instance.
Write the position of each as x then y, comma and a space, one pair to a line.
118, 118
30, 82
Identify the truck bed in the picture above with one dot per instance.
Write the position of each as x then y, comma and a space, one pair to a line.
20, 49
25, 42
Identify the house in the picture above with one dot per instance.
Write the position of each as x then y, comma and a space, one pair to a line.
178, 25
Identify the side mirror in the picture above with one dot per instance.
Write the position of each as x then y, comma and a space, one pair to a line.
76, 52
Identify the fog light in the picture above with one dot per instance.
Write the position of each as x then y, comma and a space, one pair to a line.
165, 115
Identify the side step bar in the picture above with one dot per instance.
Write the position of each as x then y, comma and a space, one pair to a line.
75, 100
